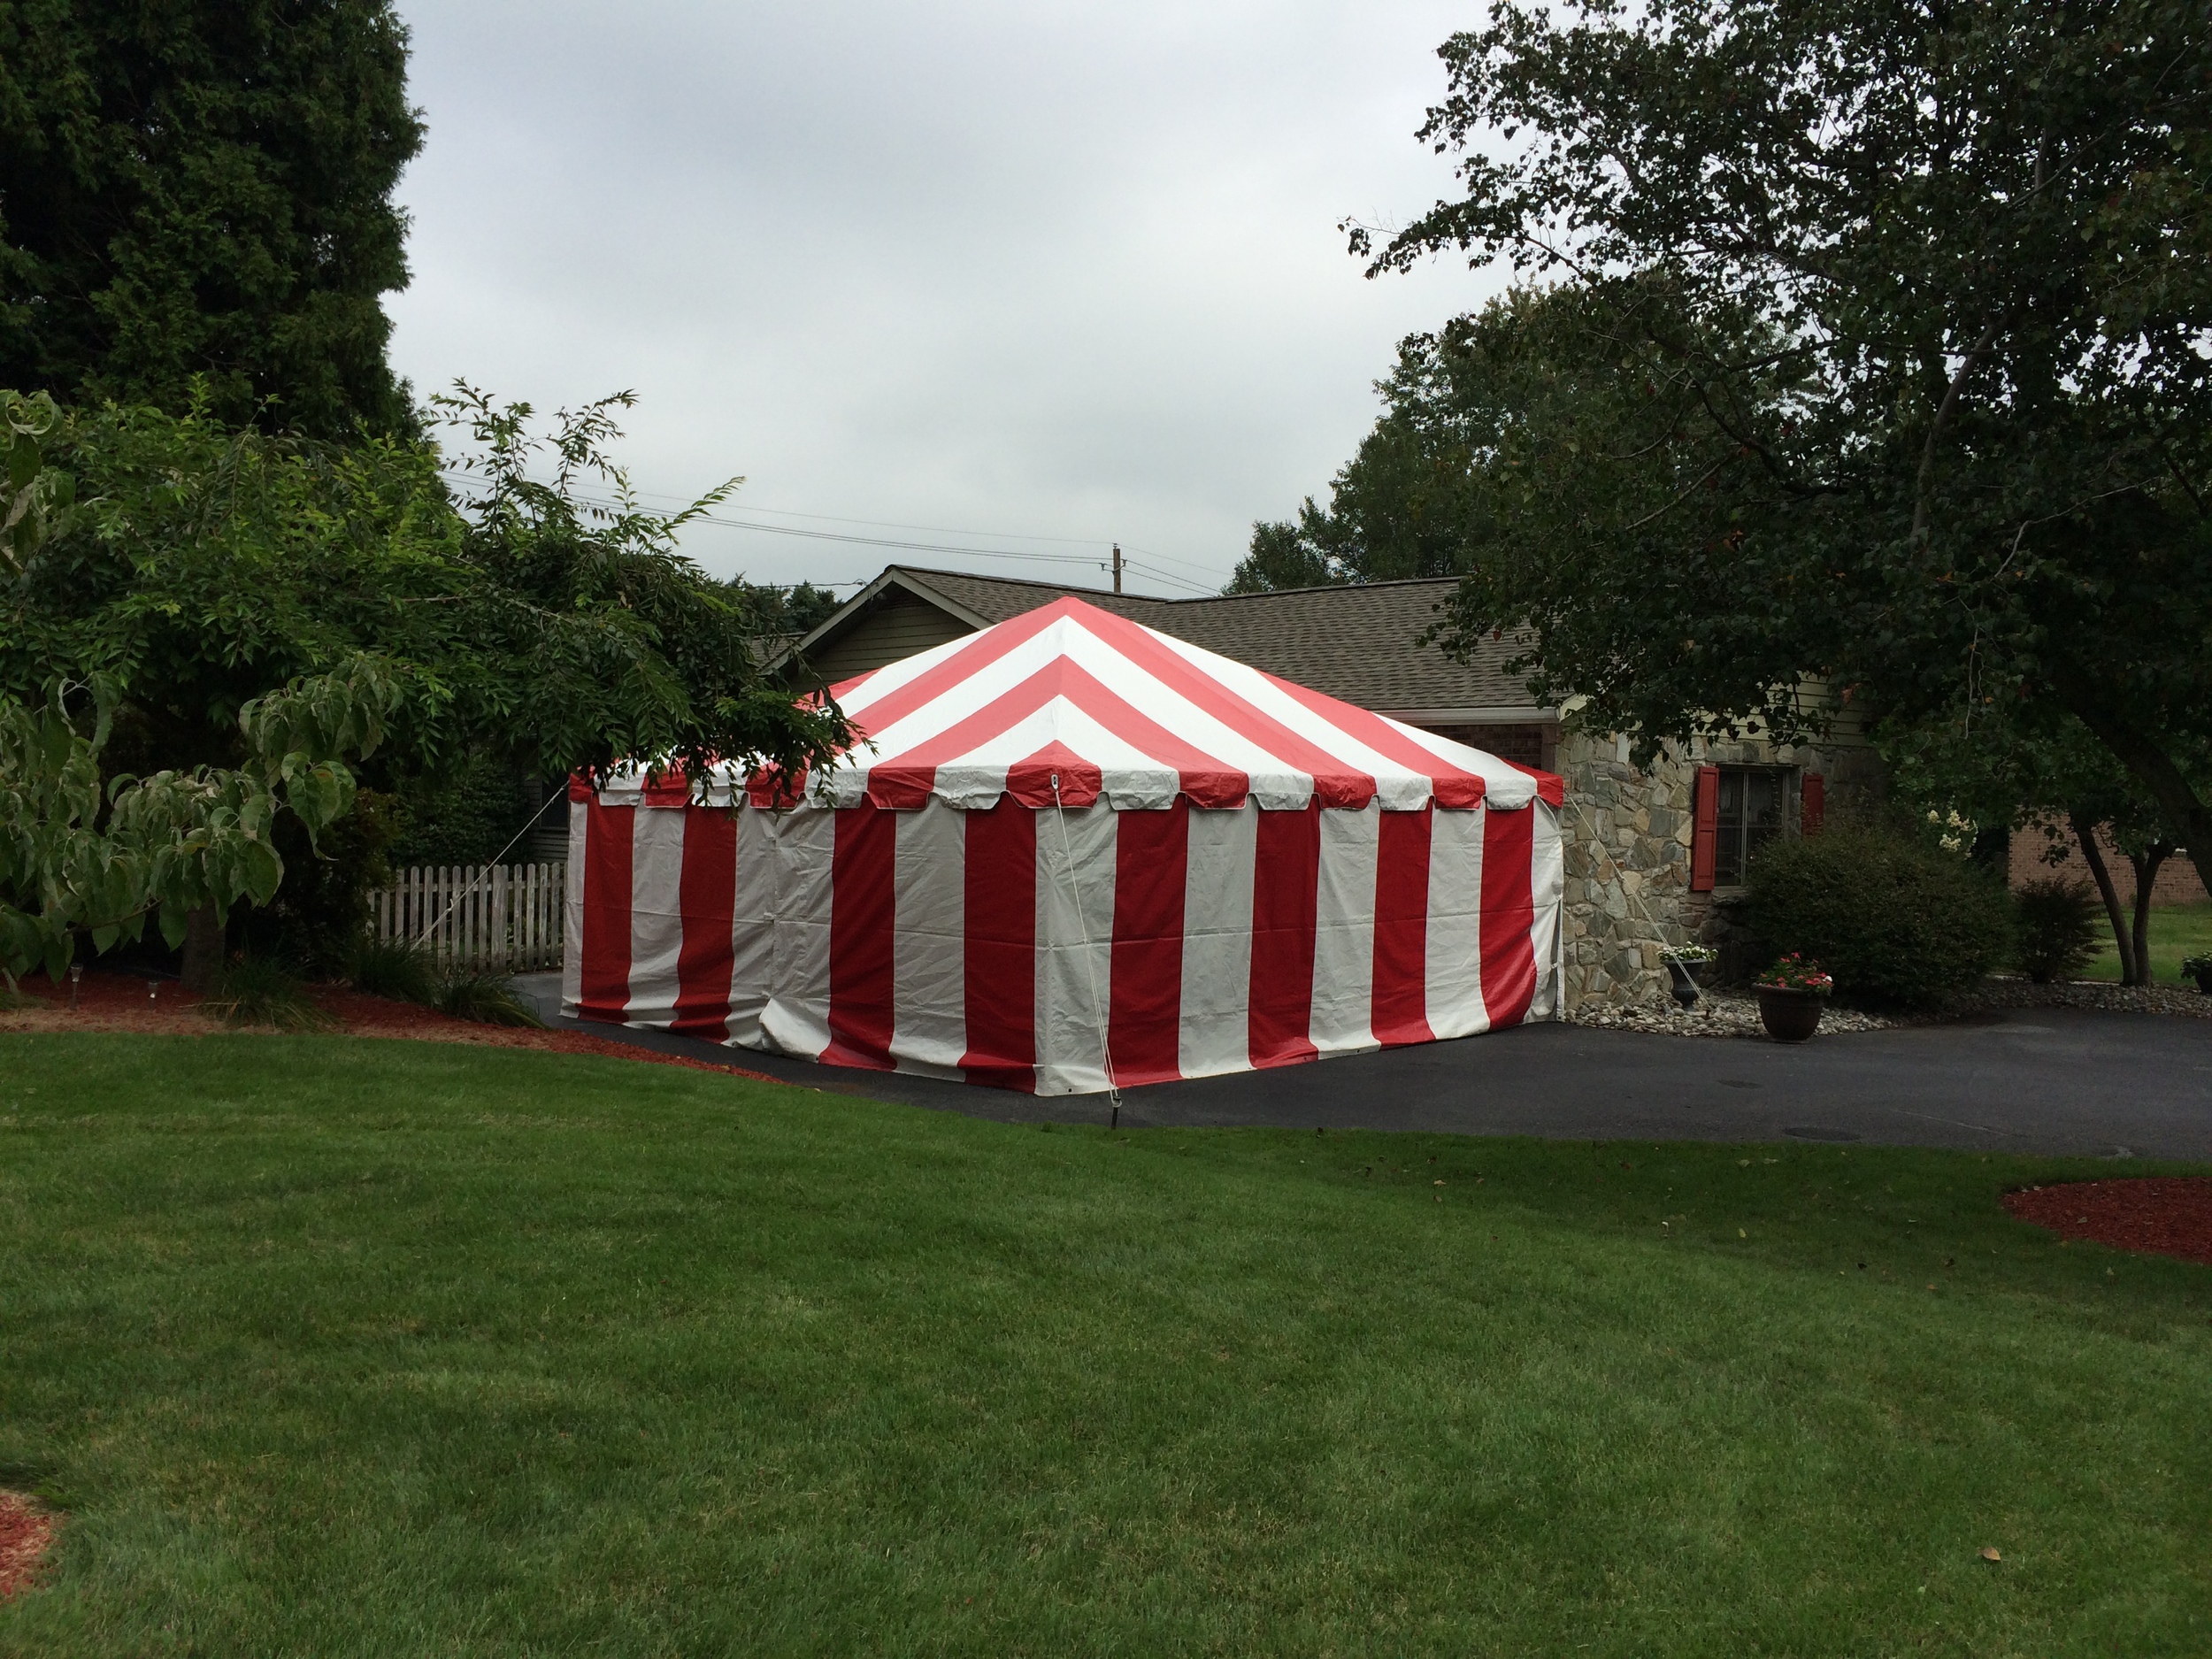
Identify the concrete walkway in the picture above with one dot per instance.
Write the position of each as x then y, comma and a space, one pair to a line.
2050, 1080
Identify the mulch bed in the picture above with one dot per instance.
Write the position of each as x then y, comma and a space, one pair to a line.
25, 1532
2169, 1215
120, 1002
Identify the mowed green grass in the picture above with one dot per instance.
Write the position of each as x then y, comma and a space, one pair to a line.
2177, 930
337, 1347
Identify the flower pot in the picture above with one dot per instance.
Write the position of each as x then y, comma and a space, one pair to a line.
1683, 979
2204, 982
1789, 1016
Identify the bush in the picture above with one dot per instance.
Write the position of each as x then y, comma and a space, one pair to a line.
2060, 925
256, 991
1897, 923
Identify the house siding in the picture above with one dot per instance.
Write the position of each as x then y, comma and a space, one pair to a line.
896, 627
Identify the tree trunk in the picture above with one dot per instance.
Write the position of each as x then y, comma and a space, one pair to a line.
2086, 835
2146, 864
202, 950
2153, 767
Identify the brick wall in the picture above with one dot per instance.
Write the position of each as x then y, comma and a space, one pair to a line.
2178, 882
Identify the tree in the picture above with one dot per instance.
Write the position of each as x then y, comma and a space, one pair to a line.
1877, 359
188, 571
201, 193
1395, 510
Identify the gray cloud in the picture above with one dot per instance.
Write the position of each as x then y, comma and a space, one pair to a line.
1063, 271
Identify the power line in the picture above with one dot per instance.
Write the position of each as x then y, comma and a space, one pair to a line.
1097, 562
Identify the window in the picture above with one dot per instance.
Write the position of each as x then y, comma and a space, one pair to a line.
1747, 815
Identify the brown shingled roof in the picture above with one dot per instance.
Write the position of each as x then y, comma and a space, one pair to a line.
1356, 643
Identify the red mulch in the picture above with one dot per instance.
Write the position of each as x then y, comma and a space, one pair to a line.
25, 1533
118, 1001
2169, 1215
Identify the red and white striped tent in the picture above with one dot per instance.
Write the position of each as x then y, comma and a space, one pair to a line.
1071, 854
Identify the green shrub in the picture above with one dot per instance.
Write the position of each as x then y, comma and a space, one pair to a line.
1899, 923
257, 991
2060, 925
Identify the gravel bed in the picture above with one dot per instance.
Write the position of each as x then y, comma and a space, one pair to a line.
1731, 1014
1717, 1014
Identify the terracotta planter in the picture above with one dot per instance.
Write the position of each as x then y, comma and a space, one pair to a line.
1790, 1015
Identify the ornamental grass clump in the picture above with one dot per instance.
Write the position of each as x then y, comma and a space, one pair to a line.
411, 973
2059, 932
488, 998
393, 968
1897, 922
256, 991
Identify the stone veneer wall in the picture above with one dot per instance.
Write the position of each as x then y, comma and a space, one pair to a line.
1625, 835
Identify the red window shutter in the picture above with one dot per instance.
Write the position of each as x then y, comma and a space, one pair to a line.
1812, 806
1704, 823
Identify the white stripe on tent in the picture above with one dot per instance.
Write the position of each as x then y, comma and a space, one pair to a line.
1547, 877
1454, 932
1071, 1020
1342, 1020
796, 1019
1214, 1033
573, 909
928, 955
752, 925
656, 931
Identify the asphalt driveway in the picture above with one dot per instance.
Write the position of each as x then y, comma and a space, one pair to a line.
2048, 1080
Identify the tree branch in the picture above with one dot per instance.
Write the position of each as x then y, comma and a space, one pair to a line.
1935, 430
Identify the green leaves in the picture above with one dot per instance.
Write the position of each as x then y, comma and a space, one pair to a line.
39, 499
1878, 356
173, 842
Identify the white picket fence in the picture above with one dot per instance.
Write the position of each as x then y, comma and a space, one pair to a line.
483, 916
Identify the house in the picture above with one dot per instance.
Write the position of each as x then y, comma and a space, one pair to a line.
1653, 856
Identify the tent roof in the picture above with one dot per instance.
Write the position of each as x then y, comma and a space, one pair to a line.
1111, 709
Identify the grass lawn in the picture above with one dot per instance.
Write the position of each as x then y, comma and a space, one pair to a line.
2177, 930
338, 1348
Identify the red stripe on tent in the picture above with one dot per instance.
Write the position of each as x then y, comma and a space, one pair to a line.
1551, 789
773, 789
665, 787
862, 910
1449, 785
604, 987
1334, 783
1402, 928
1151, 859
1001, 947
1029, 780
1285, 895
906, 783
986, 649
707, 902
1508, 911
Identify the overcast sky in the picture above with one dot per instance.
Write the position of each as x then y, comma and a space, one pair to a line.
1060, 271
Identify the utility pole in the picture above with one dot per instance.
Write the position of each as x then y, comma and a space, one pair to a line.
1116, 567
